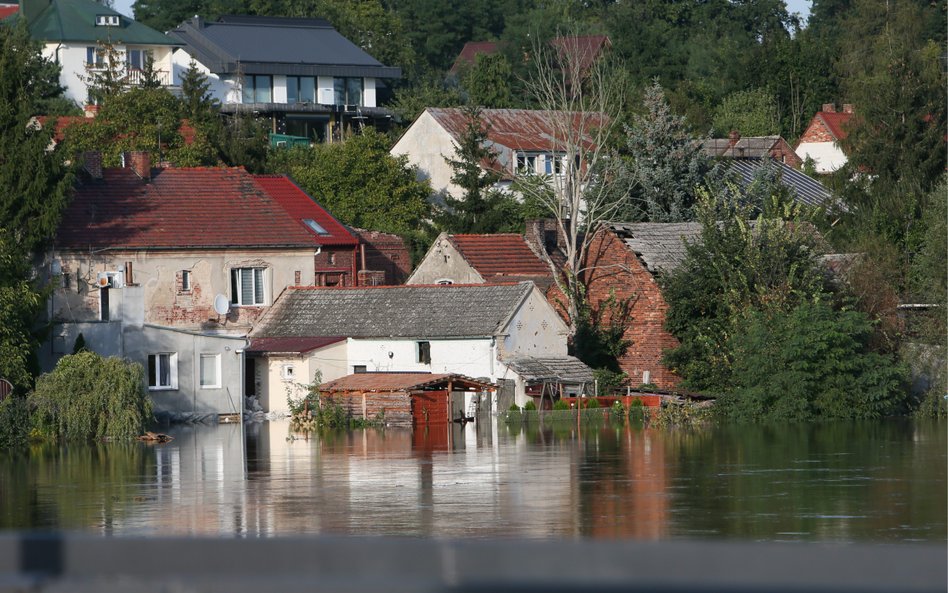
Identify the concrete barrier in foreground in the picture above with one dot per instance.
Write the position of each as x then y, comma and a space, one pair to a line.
80, 563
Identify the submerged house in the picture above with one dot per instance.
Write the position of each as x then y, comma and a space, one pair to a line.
172, 268
471, 330
310, 81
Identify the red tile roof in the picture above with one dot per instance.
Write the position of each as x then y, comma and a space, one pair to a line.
300, 206
500, 256
518, 129
584, 50
295, 345
62, 123
179, 208
835, 121
6, 11
470, 52
397, 381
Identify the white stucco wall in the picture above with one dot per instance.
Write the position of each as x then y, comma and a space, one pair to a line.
444, 263
330, 361
471, 357
827, 156
426, 144
72, 58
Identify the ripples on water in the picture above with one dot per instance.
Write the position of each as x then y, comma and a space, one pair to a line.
882, 481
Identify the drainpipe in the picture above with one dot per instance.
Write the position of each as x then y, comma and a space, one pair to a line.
355, 266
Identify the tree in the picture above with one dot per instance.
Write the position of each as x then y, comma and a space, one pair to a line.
581, 98
752, 113
359, 182
487, 81
197, 102
666, 163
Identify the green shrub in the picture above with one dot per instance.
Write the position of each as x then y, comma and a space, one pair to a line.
590, 403
513, 408
561, 404
529, 406
618, 410
14, 422
89, 397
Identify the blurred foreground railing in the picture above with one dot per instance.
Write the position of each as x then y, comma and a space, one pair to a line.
77, 563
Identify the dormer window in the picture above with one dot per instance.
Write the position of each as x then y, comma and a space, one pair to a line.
107, 20
315, 226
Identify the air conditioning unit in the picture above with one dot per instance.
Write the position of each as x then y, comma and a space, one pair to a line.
110, 279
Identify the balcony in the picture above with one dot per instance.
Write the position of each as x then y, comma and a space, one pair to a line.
135, 77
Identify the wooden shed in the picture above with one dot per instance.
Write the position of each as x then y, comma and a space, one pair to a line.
405, 399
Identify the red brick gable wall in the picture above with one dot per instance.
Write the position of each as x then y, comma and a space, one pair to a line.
614, 269
783, 153
818, 131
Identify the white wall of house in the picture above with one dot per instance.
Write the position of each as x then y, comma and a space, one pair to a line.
426, 144
472, 357
283, 375
444, 264
827, 156
72, 58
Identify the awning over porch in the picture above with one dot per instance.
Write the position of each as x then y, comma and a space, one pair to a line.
564, 369
368, 382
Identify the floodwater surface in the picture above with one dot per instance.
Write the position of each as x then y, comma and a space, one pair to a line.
879, 481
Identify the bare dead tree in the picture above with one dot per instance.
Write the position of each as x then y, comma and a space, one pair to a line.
582, 97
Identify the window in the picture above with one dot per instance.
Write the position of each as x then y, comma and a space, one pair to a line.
315, 226
424, 352
210, 371
185, 280
94, 57
107, 20
526, 164
288, 373
246, 285
300, 89
103, 304
163, 371
347, 91
134, 59
257, 88
359, 368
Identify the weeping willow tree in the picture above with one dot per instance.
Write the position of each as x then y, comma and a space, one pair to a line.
90, 397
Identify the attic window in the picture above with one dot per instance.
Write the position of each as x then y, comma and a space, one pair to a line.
315, 226
107, 20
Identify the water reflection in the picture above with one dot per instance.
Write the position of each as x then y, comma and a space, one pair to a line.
881, 481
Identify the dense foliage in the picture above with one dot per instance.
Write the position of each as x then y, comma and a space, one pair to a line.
88, 396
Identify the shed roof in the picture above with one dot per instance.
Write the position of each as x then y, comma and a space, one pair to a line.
461, 310
563, 369
400, 382
75, 20
500, 256
661, 245
274, 45
184, 208
290, 345
530, 130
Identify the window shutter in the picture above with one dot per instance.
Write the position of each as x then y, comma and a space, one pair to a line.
233, 287
258, 286
246, 287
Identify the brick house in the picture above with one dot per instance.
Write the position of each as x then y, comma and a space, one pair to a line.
822, 139
173, 267
625, 262
384, 258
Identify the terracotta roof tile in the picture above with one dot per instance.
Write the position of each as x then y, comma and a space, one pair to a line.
471, 50
836, 122
498, 256
6, 11
301, 206
179, 208
296, 345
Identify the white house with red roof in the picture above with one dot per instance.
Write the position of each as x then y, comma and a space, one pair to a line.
822, 139
173, 267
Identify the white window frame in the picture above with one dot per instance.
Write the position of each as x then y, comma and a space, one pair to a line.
172, 371
288, 371
236, 296
216, 361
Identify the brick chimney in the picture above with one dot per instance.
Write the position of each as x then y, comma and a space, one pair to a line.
829, 107
139, 161
733, 138
847, 107
92, 163
90, 110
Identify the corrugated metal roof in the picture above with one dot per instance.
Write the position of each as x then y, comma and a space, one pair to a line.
564, 369
399, 382
271, 45
200, 207
661, 245
805, 189
527, 130
294, 345
461, 311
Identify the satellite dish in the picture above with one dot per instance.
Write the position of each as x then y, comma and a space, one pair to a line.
221, 304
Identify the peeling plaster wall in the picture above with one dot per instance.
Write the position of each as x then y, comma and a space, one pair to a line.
443, 262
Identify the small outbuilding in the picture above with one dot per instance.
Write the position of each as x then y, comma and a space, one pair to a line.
408, 399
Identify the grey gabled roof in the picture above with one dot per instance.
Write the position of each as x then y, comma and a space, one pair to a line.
751, 146
661, 245
563, 369
271, 45
805, 189
457, 311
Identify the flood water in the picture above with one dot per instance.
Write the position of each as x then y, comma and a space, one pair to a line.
875, 481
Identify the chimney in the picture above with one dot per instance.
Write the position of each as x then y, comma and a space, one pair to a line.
92, 163
829, 107
140, 162
90, 110
733, 137
847, 107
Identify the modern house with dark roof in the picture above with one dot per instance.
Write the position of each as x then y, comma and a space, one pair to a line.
74, 34
173, 267
309, 79
472, 330
822, 139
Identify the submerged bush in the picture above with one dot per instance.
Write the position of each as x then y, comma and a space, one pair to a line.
529, 406
14, 422
561, 404
89, 397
